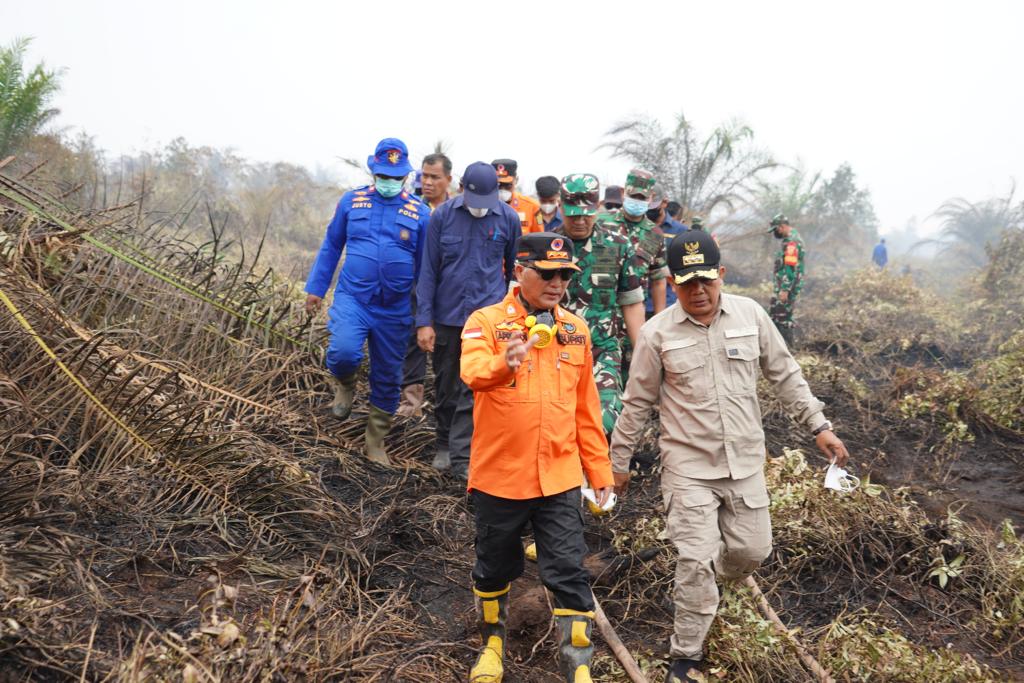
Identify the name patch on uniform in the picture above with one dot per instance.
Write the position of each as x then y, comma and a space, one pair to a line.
792, 256
504, 335
410, 214
362, 205
473, 333
575, 339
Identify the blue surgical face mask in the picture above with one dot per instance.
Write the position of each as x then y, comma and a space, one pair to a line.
634, 207
387, 187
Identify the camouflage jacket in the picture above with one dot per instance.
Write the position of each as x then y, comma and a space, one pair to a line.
789, 264
648, 241
610, 278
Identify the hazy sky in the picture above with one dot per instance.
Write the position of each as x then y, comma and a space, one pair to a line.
923, 99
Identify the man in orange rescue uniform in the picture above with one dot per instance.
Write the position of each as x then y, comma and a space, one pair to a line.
537, 431
526, 207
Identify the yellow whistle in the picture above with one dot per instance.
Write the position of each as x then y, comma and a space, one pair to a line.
543, 328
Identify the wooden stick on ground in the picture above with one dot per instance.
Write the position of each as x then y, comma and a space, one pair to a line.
809, 661
618, 648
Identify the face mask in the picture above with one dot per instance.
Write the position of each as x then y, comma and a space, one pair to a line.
477, 213
837, 479
634, 207
548, 208
504, 195
387, 187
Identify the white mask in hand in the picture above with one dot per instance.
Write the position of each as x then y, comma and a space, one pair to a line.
837, 479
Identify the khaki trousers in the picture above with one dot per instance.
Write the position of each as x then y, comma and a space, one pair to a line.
719, 527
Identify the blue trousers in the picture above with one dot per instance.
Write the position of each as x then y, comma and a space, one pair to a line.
352, 324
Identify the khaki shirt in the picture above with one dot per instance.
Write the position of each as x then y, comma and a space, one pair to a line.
705, 380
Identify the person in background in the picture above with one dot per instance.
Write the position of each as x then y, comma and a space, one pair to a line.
699, 362
612, 198
788, 276
526, 207
671, 226
434, 179
537, 432
549, 215
468, 259
381, 227
880, 255
608, 292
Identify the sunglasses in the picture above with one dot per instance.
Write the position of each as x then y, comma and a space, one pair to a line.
548, 275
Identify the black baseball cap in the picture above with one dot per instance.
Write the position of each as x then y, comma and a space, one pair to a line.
691, 254
507, 169
545, 251
480, 186
613, 195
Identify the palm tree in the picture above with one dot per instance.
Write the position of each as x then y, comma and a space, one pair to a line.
970, 229
23, 97
719, 171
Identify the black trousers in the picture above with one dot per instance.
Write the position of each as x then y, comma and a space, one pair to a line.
453, 400
558, 530
414, 368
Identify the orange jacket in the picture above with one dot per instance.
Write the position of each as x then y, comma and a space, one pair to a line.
535, 431
527, 209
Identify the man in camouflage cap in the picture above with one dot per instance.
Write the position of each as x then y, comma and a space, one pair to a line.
788, 277
647, 238
608, 292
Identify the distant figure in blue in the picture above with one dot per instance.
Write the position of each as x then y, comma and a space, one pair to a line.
880, 255
382, 229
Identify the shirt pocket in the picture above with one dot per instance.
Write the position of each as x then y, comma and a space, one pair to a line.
742, 352
570, 372
686, 368
451, 249
519, 389
358, 225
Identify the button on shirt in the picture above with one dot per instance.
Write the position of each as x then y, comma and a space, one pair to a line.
383, 241
467, 262
705, 378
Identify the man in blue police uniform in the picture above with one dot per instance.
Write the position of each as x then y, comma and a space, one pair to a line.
383, 228
468, 259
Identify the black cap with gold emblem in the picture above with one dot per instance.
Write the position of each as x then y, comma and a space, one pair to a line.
691, 254
545, 250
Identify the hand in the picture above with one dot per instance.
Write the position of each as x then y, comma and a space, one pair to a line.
783, 296
603, 495
425, 338
621, 482
833, 448
313, 304
517, 350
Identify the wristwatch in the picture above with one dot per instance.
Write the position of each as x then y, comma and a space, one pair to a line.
822, 427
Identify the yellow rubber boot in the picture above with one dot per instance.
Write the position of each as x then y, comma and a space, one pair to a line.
493, 610
575, 647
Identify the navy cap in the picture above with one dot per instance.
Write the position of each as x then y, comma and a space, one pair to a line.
390, 158
691, 254
480, 186
417, 183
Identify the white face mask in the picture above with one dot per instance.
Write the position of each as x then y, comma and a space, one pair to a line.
548, 208
477, 213
837, 479
504, 195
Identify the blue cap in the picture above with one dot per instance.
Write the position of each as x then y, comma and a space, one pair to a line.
480, 186
390, 158
417, 183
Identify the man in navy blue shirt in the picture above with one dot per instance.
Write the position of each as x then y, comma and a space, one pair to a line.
382, 228
468, 260
549, 216
671, 227
880, 255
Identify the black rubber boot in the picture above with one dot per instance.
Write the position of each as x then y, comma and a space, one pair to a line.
679, 671
493, 611
575, 647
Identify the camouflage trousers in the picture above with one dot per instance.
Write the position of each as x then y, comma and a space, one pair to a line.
782, 315
608, 375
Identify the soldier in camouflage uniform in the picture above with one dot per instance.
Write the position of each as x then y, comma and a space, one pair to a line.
788, 276
607, 293
647, 239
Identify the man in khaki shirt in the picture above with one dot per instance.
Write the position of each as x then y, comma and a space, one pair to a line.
699, 361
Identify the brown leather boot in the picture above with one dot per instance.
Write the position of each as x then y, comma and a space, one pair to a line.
411, 404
